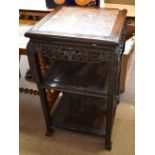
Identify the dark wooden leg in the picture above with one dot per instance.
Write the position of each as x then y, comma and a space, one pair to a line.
119, 78
118, 84
49, 132
108, 146
45, 108
117, 98
38, 74
46, 94
109, 123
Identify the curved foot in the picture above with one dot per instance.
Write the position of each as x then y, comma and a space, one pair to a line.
108, 146
49, 133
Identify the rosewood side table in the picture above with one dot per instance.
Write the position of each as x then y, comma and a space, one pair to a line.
78, 51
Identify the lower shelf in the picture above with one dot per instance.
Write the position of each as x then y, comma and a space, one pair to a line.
80, 113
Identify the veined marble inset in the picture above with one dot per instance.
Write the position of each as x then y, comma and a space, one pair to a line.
98, 22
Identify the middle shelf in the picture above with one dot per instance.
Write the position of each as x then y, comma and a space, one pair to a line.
83, 78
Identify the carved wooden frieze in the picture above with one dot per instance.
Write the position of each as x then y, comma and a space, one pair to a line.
74, 53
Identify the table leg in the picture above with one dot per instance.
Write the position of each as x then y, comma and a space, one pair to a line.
109, 123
